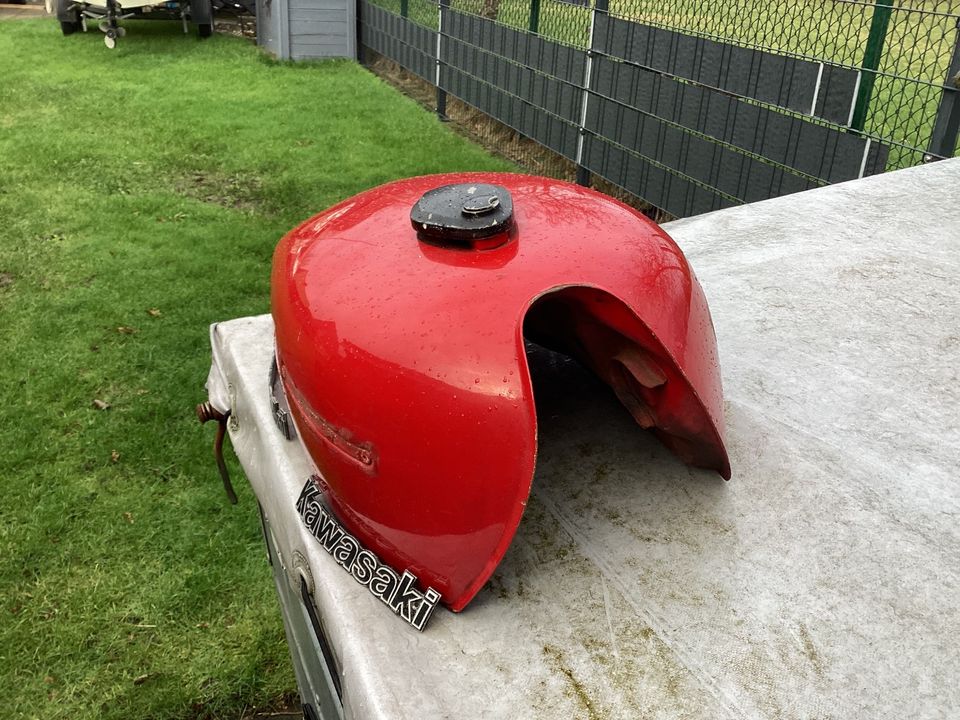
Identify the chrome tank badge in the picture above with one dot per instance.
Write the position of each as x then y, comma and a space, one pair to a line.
278, 404
398, 592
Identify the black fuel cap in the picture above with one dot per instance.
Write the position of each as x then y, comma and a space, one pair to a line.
463, 212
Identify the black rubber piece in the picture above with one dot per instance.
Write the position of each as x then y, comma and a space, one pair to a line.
69, 28
204, 30
462, 212
321, 638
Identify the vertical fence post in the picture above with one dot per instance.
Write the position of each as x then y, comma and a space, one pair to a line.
534, 16
882, 9
404, 8
943, 140
441, 93
358, 11
583, 174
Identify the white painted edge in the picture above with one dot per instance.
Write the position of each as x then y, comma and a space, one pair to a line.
863, 162
586, 89
816, 91
439, 35
856, 92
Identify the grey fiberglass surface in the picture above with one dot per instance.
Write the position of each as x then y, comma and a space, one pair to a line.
821, 581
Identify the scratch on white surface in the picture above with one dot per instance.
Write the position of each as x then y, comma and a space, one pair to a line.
684, 655
613, 635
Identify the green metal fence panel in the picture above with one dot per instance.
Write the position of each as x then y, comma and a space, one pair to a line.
811, 88
409, 44
882, 11
531, 120
666, 188
695, 104
543, 55
542, 91
635, 94
946, 128
911, 57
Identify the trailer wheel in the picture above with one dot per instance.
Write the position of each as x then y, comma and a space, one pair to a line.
68, 15
204, 30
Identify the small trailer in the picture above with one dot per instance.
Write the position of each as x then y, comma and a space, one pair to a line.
107, 14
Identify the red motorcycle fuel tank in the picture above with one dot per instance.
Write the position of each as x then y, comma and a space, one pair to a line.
400, 316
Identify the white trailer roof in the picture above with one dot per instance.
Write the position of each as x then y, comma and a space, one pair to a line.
822, 581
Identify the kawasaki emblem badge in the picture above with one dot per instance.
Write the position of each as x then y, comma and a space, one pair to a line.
398, 592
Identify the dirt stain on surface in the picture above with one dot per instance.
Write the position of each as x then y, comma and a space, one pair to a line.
558, 662
810, 650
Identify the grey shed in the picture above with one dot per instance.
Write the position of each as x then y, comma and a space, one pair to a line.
307, 29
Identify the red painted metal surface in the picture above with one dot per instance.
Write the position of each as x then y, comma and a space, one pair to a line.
405, 368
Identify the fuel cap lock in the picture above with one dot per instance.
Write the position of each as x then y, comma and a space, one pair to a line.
458, 214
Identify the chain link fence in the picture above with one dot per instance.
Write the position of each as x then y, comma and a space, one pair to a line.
901, 56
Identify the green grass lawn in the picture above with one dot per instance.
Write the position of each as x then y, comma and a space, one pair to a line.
142, 192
